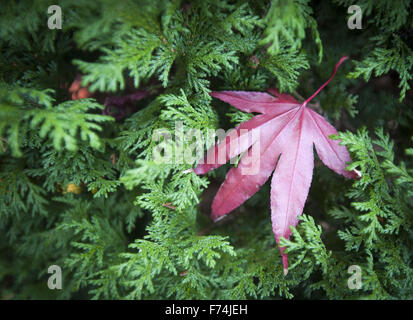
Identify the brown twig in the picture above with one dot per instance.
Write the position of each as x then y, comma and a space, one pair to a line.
298, 96
169, 205
2, 145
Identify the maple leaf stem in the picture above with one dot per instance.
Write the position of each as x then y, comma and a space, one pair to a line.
344, 58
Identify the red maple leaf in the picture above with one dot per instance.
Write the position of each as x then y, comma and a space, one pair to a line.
286, 130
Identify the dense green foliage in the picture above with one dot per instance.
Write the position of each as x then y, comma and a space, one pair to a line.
80, 190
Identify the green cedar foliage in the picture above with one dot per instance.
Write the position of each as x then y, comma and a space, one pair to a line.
390, 48
82, 191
